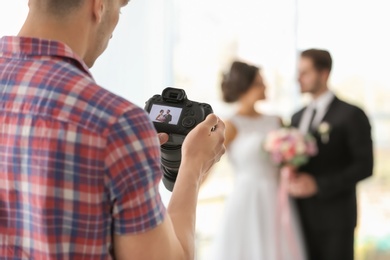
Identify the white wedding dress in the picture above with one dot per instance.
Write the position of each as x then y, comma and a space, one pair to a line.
250, 228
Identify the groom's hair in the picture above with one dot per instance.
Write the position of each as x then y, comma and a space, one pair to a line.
322, 59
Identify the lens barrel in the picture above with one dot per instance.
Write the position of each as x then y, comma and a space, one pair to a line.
170, 162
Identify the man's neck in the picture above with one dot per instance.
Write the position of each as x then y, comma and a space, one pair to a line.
51, 29
320, 92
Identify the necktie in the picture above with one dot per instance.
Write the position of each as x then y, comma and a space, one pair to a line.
313, 115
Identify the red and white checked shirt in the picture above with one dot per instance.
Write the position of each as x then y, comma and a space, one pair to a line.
77, 163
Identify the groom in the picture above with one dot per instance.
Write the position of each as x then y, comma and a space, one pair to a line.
325, 188
167, 117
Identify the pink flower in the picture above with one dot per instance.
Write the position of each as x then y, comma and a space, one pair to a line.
289, 146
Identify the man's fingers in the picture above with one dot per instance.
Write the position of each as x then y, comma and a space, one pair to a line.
212, 122
220, 153
221, 125
294, 188
163, 137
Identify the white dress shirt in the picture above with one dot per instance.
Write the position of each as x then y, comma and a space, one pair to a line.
321, 105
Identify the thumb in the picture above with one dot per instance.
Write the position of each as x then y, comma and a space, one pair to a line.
163, 137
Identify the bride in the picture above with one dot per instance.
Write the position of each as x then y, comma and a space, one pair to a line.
251, 228
160, 116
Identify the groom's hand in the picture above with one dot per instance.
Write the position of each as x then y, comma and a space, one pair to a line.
302, 186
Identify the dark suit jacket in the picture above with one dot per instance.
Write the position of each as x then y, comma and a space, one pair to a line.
340, 163
167, 118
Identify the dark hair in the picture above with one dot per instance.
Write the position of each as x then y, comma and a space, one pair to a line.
238, 80
62, 7
321, 59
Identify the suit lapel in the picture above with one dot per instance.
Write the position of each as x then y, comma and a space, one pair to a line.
328, 115
331, 110
297, 118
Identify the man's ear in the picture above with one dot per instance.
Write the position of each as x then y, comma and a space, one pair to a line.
325, 75
98, 7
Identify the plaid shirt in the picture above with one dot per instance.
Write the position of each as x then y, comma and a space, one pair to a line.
77, 163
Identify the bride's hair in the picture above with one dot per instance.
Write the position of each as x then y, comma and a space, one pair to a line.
238, 80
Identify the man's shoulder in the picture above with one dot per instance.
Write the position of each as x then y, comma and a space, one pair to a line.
92, 105
108, 107
348, 107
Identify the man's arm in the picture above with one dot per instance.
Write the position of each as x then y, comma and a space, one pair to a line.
361, 150
174, 237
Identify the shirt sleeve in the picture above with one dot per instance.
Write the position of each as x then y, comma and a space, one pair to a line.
133, 174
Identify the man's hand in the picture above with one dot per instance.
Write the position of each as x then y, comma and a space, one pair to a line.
302, 185
204, 145
163, 137
174, 238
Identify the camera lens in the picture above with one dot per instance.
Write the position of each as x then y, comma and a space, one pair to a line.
170, 162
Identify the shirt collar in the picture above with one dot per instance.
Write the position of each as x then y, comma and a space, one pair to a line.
323, 101
24, 47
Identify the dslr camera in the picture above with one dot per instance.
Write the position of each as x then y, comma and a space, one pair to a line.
173, 113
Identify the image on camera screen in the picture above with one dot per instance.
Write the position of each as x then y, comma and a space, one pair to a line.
165, 114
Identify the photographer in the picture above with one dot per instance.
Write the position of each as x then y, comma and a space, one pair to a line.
80, 166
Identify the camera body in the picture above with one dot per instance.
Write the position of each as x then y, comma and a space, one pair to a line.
173, 113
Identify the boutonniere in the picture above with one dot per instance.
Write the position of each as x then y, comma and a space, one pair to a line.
324, 130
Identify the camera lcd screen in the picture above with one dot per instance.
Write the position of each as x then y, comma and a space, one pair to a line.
165, 114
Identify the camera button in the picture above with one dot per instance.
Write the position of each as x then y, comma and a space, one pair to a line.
189, 104
188, 122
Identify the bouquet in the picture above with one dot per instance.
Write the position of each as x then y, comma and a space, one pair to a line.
289, 147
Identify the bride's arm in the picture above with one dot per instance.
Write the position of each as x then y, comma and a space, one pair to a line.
230, 133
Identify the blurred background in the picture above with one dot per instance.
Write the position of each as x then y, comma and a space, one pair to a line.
189, 44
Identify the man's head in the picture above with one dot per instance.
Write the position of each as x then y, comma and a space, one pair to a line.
314, 68
60, 7
85, 25
168, 111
